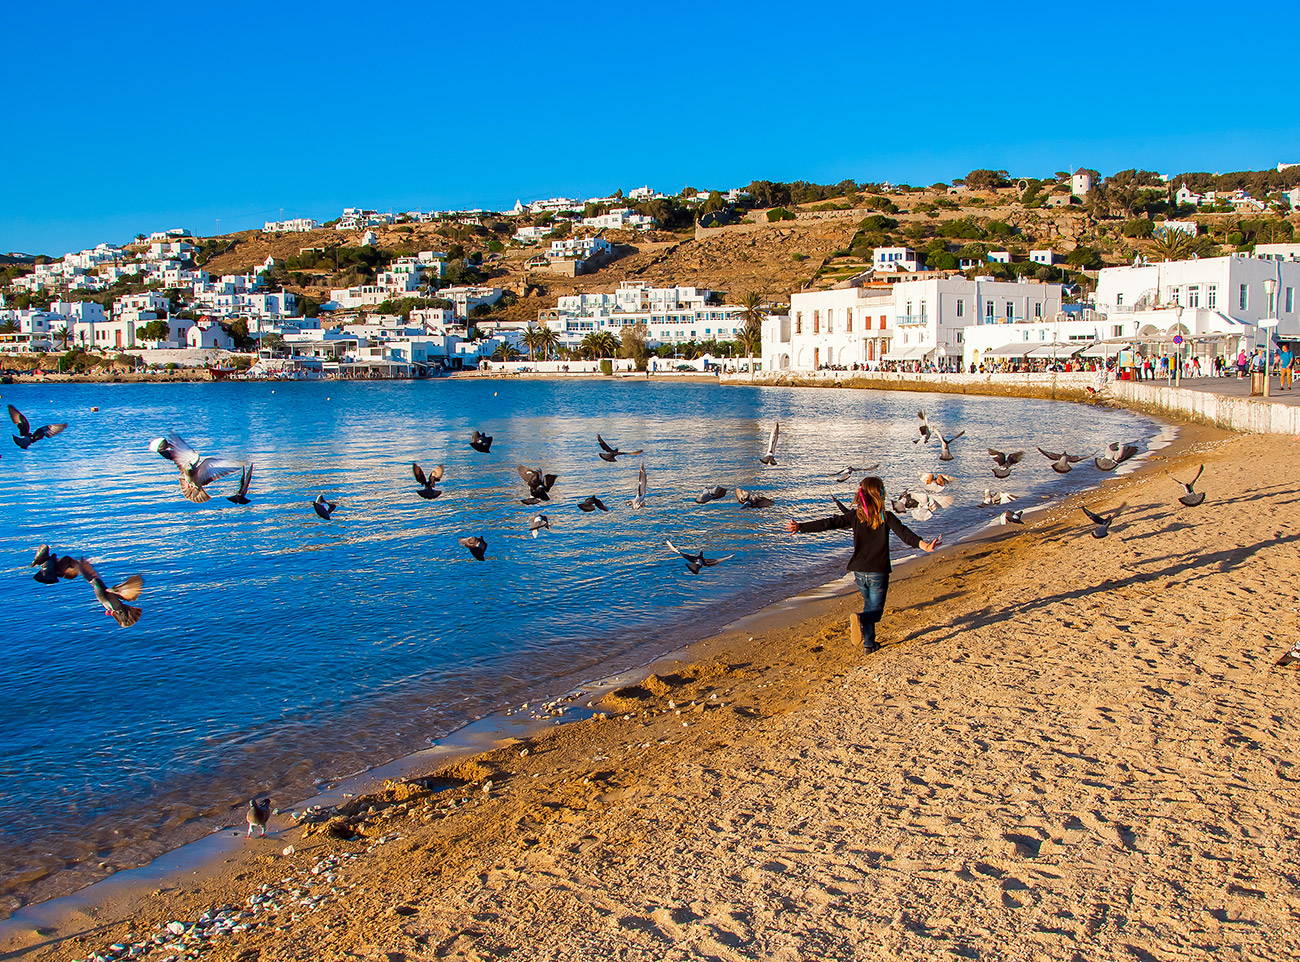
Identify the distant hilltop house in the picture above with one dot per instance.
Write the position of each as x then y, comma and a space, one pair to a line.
1236, 199
1188, 227
1080, 183
297, 225
355, 218
165, 235
621, 218
893, 260
572, 256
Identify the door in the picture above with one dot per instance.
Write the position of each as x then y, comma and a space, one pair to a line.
816, 356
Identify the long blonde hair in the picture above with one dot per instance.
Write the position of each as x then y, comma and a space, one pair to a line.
871, 502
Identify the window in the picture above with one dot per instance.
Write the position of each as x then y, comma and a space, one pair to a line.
1290, 299
909, 310
961, 307
817, 322
830, 326
798, 322
848, 320
1193, 295
1117, 330
1175, 295
988, 312
1119, 300
923, 313
1211, 296
1243, 297
1042, 333
1011, 310
882, 322
1038, 310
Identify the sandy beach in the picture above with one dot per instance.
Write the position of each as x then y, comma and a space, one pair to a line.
1068, 748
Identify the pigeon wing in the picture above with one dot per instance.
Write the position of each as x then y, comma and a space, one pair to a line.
67, 567
771, 442
1096, 518
419, 474
20, 422
435, 475
641, 482
674, 547
1049, 455
129, 589
212, 469
605, 445
181, 452
710, 562
530, 476
1015, 457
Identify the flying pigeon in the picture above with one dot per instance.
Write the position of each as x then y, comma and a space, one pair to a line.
992, 497
748, 499
639, 500
257, 815
477, 546
1190, 498
935, 482
695, 560
1003, 462
114, 599
324, 508
711, 494
1062, 463
944, 453
904, 501
1290, 658
427, 481
592, 503
848, 472
537, 524
196, 472
480, 442
925, 430
26, 437
925, 510
245, 479
1102, 524
611, 454
770, 457
1116, 455
52, 567
539, 485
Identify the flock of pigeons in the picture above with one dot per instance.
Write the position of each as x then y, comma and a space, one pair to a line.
198, 472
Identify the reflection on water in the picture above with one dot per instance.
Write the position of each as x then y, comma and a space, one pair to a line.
277, 649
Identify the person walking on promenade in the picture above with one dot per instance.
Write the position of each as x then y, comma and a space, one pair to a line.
1285, 364
871, 524
1241, 363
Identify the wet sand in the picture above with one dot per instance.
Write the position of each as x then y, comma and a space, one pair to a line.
1067, 748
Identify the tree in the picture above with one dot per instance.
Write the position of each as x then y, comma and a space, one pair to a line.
271, 341
751, 335
635, 345
505, 352
983, 179
548, 341
1172, 245
599, 344
158, 330
64, 334
9, 327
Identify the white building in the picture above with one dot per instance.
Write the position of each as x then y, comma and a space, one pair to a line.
911, 321
297, 225
887, 260
673, 315
1231, 288
1278, 252
209, 334
621, 218
1080, 183
579, 248
465, 299
1045, 256
531, 235
1188, 227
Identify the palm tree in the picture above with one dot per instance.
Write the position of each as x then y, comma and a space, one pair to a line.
751, 336
64, 335
599, 344
1173, 245
532, 341
505, 352
548, 341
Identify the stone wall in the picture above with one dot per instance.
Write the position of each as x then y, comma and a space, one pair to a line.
1060, 387
1246, 414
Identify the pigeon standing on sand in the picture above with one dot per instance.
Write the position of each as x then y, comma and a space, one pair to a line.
592, 503
258, 814
480, 442
196, 472
1190, 498
26, 437
1011, 517
639, 500
114, 599
695, 560
711, 494
324, 508
610, 454
944, 453
770, 457
476, 544
1003, 462
1102, 525
427, 481
245, 479
52, 567
1116, 454
1062, 463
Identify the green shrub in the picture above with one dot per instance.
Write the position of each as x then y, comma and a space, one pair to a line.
777, 214
796, 257
606, 366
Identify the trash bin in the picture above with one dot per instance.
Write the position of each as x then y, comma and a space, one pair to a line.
1257, 383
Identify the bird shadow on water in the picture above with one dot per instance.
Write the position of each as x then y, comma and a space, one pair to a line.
1221, 561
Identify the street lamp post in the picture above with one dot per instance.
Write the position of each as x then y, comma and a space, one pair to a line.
1270, 288
1178, 349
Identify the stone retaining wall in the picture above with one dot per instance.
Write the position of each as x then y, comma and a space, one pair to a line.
1060, 387
1249, 415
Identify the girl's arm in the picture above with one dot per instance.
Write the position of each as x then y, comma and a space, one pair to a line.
820, 524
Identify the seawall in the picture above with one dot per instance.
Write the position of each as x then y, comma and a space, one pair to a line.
1059, 387
1248, 415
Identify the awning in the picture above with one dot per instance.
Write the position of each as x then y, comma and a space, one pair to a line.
917, 352
1105, 349
1057, 349
1015, 349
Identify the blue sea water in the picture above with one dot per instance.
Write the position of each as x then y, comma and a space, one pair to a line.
278, 650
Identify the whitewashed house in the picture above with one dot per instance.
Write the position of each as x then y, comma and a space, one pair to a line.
296, 225
890, 260
209, 334
672, 315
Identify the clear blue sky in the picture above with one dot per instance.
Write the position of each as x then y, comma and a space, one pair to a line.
135, 117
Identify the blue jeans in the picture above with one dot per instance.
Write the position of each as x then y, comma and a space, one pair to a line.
874, 586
